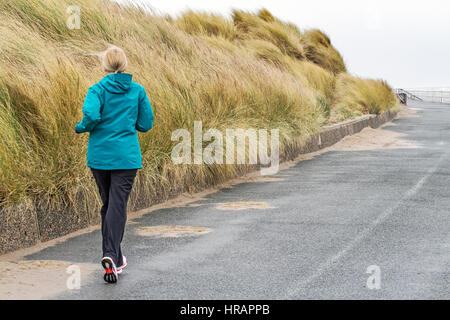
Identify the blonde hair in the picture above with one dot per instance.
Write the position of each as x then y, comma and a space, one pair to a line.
114, 60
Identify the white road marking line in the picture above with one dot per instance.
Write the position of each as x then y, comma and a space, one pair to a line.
368, 230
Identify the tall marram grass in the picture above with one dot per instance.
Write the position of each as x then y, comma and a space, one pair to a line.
356, 96
249, 70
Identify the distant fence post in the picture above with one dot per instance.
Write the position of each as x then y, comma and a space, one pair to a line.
403, 97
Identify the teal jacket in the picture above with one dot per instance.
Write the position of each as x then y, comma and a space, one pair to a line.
114, 110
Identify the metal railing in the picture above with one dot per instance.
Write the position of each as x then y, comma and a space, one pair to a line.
409, 94
440, 96
404, 95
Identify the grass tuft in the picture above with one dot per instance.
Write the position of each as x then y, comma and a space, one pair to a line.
319, 50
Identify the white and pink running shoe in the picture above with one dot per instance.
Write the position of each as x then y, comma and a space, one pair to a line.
111, 274
119, 269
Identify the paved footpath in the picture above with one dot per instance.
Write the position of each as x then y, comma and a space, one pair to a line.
328, 219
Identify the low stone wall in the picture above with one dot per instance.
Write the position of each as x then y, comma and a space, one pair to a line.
27, 224
332, 134
18, 227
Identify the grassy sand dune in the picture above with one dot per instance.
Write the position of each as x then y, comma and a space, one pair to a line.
247, 70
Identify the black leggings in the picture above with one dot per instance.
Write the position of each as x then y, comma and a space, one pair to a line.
115, 187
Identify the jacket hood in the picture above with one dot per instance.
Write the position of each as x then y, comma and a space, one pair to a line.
116, 82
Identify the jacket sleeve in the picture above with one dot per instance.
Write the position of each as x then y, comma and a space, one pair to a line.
145, 113
91, 112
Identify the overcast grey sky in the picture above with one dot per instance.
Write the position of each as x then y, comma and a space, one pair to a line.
404, 42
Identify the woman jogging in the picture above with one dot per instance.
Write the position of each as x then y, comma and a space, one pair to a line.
114, 110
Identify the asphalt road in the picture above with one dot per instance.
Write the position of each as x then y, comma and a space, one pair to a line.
331, 218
